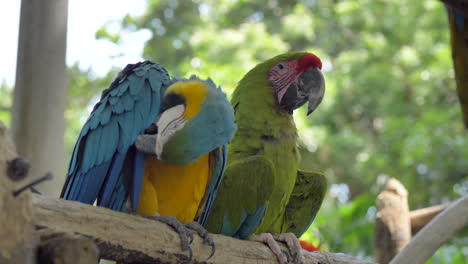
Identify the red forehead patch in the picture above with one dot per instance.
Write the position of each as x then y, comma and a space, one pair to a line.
309, 60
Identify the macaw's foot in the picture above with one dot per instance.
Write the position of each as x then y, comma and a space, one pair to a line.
291, 241
293, 244
268, 239
201, 231
185, 234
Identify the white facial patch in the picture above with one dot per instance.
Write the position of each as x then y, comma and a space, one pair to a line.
171, 121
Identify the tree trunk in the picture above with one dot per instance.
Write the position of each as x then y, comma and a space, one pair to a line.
392, 230
40, 91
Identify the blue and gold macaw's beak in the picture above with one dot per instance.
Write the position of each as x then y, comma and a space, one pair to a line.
195, 118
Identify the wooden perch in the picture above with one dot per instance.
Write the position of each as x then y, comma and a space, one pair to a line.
133, 239
420, 217
17, 239
66, 248
392, 226
442, 228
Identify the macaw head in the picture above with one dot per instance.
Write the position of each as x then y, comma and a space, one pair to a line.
294, 78
195, 118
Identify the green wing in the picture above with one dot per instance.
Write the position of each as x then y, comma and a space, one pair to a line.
242, 197
304, 203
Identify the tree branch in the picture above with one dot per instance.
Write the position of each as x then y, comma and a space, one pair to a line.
132, 239
66, 248
442, 228
420, 217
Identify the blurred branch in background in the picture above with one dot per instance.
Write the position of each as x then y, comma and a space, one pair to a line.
392, 230
393, 224
420, 217
440, 230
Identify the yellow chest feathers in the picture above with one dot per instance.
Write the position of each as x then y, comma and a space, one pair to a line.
174, 190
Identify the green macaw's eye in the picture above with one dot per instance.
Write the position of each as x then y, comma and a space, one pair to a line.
172, 99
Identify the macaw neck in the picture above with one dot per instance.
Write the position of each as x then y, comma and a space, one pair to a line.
257, 112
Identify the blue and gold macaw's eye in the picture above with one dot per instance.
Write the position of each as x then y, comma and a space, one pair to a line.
181, 103
172, 99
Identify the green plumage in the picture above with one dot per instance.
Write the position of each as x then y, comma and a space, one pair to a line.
262, 162
304, 203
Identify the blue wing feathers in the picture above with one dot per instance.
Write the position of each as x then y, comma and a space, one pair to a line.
110, 181
459, 20
106, 140
145, 104
113, 99
155, 102
123, 88
247, 224
251, 222
220, 156
137, 179
118, 107
89, 154
136, 84
128, 102
125, 110
125, 132
105, 116
87, 191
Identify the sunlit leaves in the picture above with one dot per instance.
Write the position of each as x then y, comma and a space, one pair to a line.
103, 33
6, 95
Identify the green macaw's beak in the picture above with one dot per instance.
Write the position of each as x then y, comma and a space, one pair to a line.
309, 86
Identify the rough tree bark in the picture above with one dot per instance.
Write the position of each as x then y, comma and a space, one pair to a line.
392, 230
40, 89
66, 248
133, 239
16, 226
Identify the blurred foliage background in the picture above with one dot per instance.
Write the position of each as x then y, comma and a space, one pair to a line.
390, 108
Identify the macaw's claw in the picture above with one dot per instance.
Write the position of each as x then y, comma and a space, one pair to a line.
185, 234
201, 231
291, 241
294, 246
268, 239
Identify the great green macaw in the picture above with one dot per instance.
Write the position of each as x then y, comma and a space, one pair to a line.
303, 205
263, 156
153, 145
458, 20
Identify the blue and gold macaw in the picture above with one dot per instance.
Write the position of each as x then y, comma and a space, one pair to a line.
153, 145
